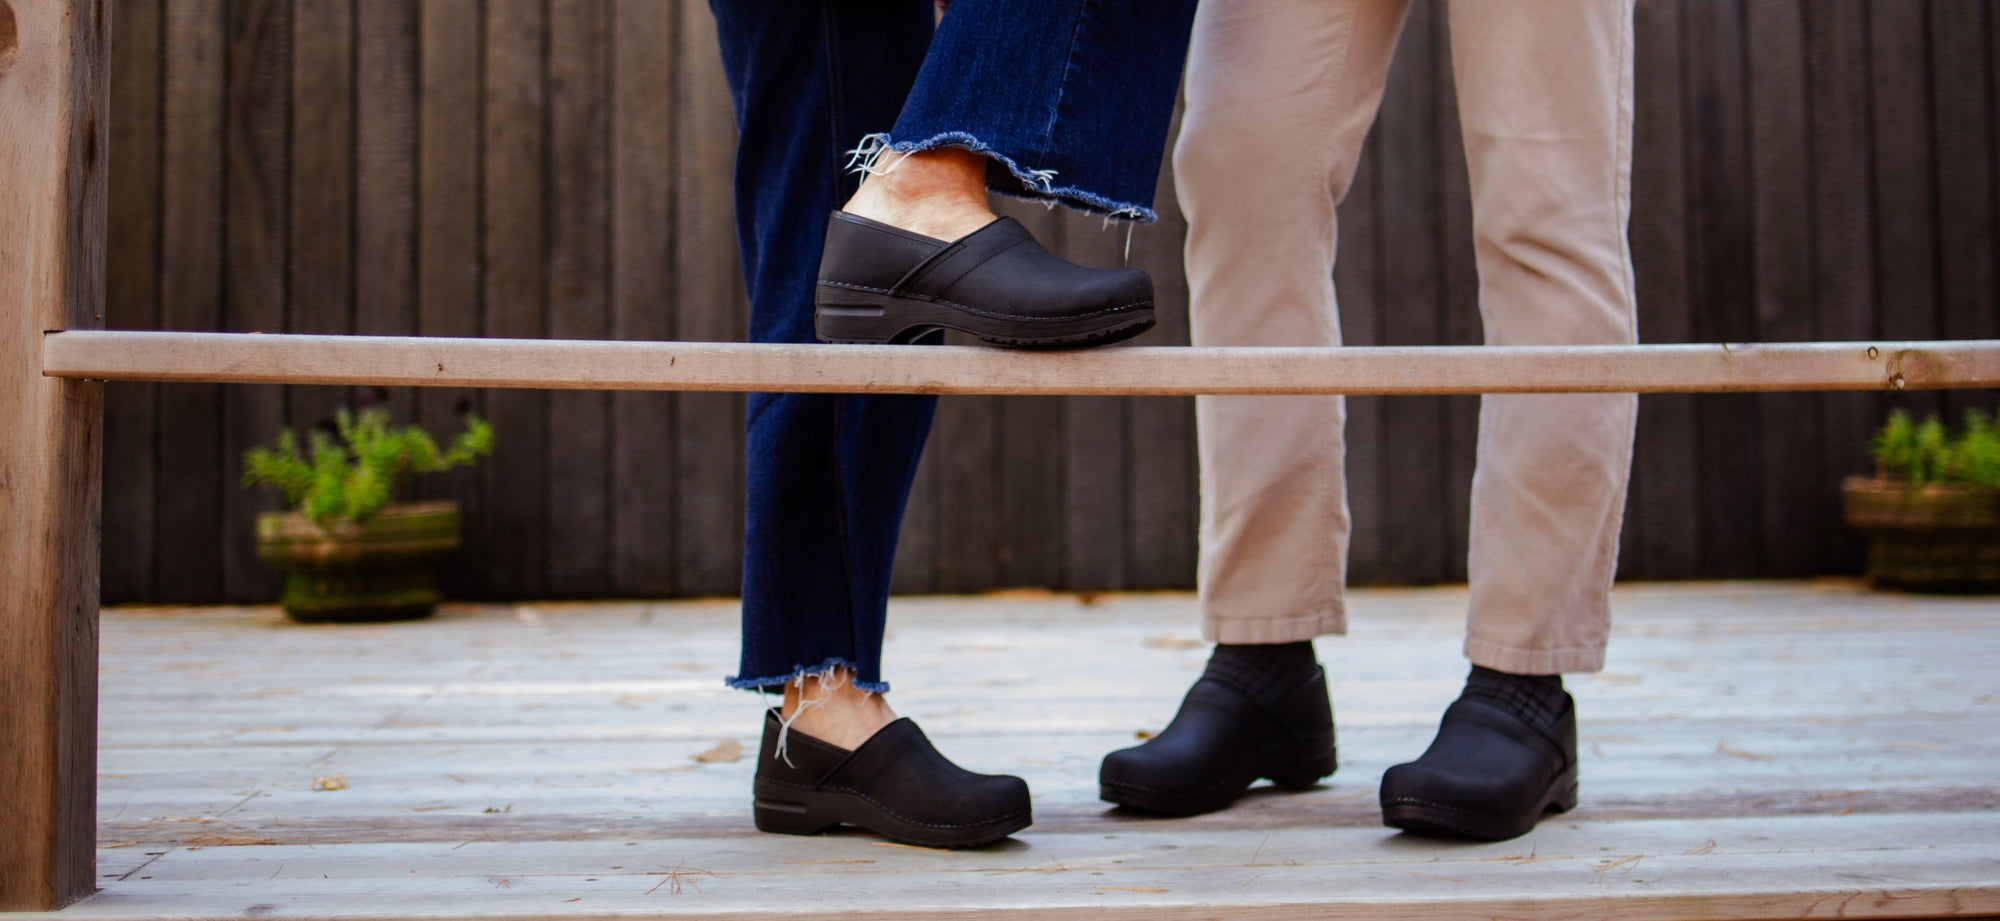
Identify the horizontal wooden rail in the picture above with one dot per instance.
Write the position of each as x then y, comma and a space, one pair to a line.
247, 358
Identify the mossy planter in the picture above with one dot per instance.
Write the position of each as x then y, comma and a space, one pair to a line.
1935, 538
382, 568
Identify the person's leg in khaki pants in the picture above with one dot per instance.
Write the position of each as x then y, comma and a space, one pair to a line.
1280, 97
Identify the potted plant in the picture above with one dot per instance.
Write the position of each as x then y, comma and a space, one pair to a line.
1931, 512
348, 550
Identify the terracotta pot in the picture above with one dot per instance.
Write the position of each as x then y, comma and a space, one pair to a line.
382, 568
1936, 538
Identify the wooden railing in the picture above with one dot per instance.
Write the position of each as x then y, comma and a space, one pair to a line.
53, 82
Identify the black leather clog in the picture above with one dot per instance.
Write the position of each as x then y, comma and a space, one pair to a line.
1219, 744
1487, 776
895, 784
879, 284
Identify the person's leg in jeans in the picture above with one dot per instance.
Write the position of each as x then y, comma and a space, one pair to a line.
1280, 96
1064, 101
1545, 104
828, 476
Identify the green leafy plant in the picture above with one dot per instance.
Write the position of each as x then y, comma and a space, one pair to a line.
1921, 453
353, 471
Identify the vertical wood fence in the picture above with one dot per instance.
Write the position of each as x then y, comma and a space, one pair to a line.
1806, 170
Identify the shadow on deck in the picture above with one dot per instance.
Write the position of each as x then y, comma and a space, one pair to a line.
1754, 750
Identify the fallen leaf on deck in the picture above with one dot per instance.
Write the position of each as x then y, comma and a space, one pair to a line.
1174, 641
1144, 734
323, 783
728, 751
1701, 848
1722, 748
430, 808
119, 844
1134, 889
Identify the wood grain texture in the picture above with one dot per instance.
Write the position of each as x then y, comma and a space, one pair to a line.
1720, 278
1665, 473
257, 258
642, 471
447, 242
514, 479
1795, 515
709, 304
579, 210
1413, 471
187, 521
132, 294
502, 763
1843, 215
736, 366
55, 82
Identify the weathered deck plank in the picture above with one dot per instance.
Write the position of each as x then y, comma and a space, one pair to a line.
1753, 751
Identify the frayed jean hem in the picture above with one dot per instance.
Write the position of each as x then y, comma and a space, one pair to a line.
1034, 184
777, 683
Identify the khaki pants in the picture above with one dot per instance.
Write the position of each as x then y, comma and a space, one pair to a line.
1280, 95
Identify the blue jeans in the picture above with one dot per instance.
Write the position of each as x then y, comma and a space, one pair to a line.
1070, 100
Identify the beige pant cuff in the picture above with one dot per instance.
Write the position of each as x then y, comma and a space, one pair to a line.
1274, 629
1518, 661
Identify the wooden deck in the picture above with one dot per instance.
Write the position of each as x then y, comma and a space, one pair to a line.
1754, 751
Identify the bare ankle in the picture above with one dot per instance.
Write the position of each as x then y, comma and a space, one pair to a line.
830, 708
938, 193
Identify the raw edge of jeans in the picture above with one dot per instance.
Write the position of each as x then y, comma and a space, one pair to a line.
778, 682
1036, 185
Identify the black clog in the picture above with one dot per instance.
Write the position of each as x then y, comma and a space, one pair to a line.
879, 284
894, 784
1219, 744
1487, 776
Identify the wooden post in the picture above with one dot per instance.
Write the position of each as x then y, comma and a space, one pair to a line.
54, 81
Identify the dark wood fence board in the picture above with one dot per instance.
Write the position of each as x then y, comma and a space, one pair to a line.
385, 147
1357, 290
1414, 469
1962, 105
1841, 228
965, 444
709, 304
132, 299
1721, 275
1795, 514
1032, 545
447, 210
579, 211
1163, 492
1802, 169
1663, 502
1097, 458
643, 475
1906, 270
321, 201
255, 288
515, 478
188, 522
